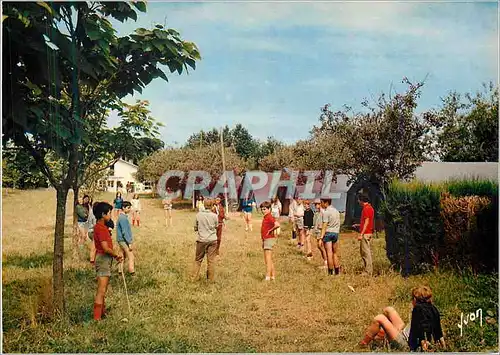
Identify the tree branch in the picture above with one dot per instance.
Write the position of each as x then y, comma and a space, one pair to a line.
40, 161
86, 178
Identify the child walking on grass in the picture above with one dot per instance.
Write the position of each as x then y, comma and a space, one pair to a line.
104, 256
124, 238
136, 210
269, 225
421, 334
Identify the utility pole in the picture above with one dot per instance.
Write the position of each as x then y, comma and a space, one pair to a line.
223, 166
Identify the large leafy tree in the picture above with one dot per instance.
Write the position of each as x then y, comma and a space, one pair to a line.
64, 66
466, 130
386, 142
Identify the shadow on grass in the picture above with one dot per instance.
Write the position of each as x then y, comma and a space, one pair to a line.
28, 262
80, 288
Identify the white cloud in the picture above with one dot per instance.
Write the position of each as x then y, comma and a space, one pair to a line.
366, 16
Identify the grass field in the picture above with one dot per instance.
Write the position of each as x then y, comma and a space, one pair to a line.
304, 310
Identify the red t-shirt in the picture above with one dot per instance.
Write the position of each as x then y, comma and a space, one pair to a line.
267, 225
369, 213
101, 234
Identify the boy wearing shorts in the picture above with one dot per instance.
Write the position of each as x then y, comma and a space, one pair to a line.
330, 235
269, 225
104, 256
124, 237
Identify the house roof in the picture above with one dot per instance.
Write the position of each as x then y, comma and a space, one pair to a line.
126, 162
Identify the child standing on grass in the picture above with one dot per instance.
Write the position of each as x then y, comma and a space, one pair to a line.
104, 256
136, 210
276, 209
318, 225
247, 207
206, 244
425, 327
330, 235
269, 225
124, 238
308, 226
117, 202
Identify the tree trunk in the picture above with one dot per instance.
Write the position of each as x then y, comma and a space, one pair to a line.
57, 265
76, 191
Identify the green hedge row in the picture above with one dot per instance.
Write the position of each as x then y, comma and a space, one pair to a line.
415, 239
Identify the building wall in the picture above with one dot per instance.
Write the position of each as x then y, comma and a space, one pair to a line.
442, 171
123, 172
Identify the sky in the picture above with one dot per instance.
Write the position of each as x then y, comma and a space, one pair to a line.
271, 66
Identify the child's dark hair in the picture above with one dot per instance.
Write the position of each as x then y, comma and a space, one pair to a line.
265, 204
326, 200
100, 209
363, 198
118, 193
126, 204
422, 294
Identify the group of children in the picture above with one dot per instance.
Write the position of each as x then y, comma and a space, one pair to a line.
95, 221
323, 222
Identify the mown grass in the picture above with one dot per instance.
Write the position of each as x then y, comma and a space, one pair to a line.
304, 310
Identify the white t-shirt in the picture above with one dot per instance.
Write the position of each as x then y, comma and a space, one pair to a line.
332, 217
136, 204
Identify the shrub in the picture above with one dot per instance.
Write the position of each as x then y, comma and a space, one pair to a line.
455, 223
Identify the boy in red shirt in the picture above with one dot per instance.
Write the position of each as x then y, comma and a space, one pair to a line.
269, 225
366, 233
104, 255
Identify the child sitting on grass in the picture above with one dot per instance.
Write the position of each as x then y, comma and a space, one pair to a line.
104, 255
425, 325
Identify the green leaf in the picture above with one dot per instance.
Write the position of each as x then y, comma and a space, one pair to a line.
143, 32
4, 17
45, 6
94, 34
140, 5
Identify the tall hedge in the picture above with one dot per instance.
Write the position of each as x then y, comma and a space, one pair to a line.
415, 231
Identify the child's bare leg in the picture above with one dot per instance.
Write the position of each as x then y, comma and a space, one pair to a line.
394, 317
250, 221
268, 261
380, 321
322, 250
92, 252
302, 236
102, 285
308, 242
329, 254
131, 262
335, 249
166, 218
170, 217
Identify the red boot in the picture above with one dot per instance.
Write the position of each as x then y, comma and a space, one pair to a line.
137, 223
133, 222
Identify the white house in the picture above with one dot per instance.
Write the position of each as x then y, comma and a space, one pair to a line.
121, 173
